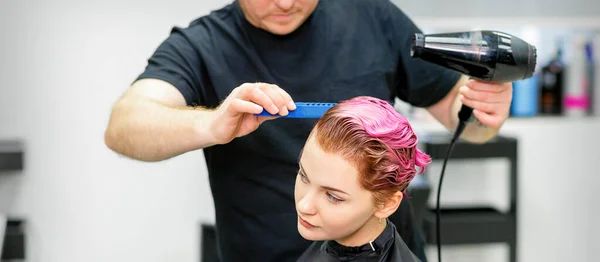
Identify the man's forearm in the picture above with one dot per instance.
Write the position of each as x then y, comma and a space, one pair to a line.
148, 131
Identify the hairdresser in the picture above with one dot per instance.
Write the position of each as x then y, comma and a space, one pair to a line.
205, 81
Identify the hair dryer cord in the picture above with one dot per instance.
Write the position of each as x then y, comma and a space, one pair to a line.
462, 123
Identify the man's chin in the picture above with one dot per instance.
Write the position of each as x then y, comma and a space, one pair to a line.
282, 29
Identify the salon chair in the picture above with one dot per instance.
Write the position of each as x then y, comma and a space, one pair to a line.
208, 243
418, 193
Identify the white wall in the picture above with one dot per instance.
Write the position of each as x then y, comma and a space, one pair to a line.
62, 65
504, 8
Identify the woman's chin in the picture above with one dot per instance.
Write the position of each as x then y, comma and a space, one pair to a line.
311, 236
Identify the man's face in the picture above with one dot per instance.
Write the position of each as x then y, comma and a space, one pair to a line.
330, 202
279, 17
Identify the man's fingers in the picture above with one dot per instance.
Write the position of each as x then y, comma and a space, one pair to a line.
261, 98
272, 92
488, 87
264, 95
489, 97
271, 97
487, 113
280, 98
286, 100
262, 119
241, 106
490, 120
289, 102
481, 106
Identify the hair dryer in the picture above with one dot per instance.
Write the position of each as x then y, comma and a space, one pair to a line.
489, 56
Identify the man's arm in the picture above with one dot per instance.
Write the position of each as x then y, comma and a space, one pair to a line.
151, 122
446, 110
154, 119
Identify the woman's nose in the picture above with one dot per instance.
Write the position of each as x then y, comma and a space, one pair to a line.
306, 205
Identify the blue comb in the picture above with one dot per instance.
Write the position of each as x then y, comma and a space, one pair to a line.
304, 110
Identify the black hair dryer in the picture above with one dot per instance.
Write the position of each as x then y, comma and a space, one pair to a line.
490, 56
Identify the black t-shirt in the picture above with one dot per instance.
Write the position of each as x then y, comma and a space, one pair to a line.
346, 48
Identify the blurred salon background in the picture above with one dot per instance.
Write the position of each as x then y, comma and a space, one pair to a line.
65, 197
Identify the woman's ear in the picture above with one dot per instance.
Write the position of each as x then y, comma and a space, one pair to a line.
389, 206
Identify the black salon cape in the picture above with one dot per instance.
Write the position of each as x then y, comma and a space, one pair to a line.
389, 247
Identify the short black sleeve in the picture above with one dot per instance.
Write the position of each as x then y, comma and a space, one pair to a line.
417, 82
177, 62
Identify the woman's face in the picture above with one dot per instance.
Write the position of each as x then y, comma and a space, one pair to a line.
331, 204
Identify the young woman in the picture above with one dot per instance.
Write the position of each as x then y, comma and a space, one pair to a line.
353, 171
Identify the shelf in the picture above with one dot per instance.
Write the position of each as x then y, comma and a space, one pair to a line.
11, 155
14, 240
514, 124
473, 225
436, 145
468, 226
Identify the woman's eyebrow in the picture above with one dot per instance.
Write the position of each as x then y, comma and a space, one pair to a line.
302, 170
334, 189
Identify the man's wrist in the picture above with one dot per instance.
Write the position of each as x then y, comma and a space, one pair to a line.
203, 127
477, 132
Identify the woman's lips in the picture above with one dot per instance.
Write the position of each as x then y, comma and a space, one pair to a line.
305, 223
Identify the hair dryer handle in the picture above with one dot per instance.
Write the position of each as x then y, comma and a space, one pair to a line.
466, 114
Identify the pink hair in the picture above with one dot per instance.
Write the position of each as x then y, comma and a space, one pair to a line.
379, 141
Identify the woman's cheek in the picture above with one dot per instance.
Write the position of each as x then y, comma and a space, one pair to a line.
337, 218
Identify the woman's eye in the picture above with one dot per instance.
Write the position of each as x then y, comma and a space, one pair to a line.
303, 178
333, 199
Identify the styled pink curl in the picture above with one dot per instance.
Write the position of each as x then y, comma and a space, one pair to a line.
379, 141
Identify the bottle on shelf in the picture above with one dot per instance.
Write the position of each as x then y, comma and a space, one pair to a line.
525, 92
576, 99
590, 77
596, 85
551, 84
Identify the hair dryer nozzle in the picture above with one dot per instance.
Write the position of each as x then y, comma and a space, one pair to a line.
525, 56
486, 55
418, 44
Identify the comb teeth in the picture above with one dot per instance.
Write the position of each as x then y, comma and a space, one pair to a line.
304, 110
